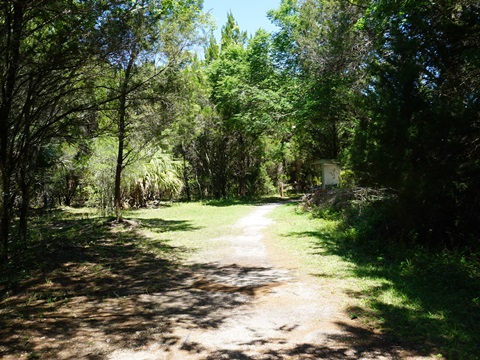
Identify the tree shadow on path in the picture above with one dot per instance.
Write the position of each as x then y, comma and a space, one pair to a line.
354, 343
91, 286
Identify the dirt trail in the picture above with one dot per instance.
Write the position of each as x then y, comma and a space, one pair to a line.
241, 298
267, 311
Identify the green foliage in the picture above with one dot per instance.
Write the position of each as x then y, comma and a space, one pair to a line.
63, 182
100, 185
47, 62
212, 50
141, 42
154, 176
424, 301
348, 178
317, 50
388, 88
422, 102
231, 33
239, 104
285, 44
157, 177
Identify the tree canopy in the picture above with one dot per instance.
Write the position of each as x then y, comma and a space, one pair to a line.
114, 104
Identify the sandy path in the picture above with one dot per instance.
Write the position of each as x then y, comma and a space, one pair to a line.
268, 312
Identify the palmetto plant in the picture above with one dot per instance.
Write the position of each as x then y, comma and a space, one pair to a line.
156, 178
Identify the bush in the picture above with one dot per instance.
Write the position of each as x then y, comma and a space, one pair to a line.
371, 212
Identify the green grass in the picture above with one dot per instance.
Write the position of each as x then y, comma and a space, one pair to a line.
76, 254
430, 301
70, 235
188, 225
422, 299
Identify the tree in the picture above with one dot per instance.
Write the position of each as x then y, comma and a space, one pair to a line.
231, 33
285, 44
244, 90
142, 40
319, 51
45, 51
421, 137
330, 59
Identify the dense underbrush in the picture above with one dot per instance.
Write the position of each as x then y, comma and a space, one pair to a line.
382, 215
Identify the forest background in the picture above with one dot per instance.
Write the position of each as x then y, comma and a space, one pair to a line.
108, 104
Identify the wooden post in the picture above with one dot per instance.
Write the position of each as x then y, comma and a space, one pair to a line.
281, 189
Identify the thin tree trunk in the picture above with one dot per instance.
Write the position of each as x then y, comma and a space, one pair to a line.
185, 175
200, 192
24, 180
119, 168
122, 118
5, 220
117, 197
23, 223
13, 23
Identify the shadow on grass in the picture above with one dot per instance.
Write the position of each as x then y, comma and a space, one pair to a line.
87, 285
427, 301
160, 225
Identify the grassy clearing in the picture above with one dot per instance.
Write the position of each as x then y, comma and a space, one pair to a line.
78, 260
426, 300
186, 225
79, 264
73, 235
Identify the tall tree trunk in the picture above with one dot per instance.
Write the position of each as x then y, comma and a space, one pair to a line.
24, 181
71, 185
118, 172
185, 175
13, 28
5, 219
4, 167
200, 192
122, 124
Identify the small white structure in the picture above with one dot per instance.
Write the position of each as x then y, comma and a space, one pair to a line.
330, 172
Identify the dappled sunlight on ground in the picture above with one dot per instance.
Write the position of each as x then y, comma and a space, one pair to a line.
118, 291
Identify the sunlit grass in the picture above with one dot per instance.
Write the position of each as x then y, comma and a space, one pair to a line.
188, 225
428, 300
296, 233
424, 299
